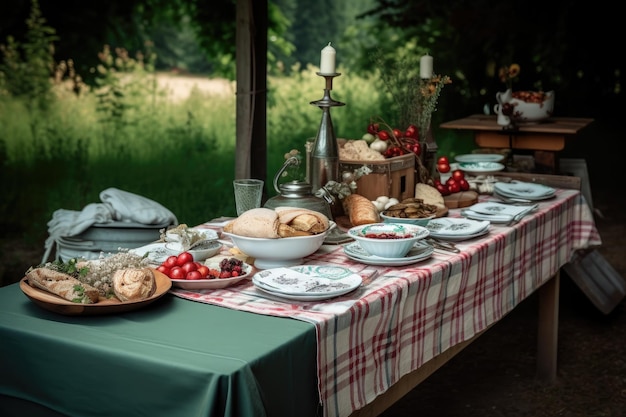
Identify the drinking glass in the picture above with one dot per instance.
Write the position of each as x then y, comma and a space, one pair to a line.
248, 193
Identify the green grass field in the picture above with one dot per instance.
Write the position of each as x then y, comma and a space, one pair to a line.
178, 153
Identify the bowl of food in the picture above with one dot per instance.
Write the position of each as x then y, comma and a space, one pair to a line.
527, 106
388, 240
410, 211
278, 237
278, 252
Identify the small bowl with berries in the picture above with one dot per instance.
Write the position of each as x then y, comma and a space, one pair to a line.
388, 240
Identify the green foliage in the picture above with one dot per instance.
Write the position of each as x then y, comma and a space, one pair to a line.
179, 153
26, 68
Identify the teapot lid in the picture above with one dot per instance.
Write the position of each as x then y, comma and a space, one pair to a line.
295, 189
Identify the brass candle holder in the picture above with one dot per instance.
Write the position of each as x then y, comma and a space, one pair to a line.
324, 159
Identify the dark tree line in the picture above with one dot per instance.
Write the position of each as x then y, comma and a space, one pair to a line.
570, 46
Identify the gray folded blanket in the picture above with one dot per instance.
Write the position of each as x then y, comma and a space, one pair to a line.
117, 205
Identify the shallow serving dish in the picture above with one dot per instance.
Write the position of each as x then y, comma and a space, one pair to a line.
56, 304
201, 252
477, 168
274, 253
420, 221
388, 240
479, 157
214, 283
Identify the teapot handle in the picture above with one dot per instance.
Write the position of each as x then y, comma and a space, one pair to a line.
499, 98
290, 161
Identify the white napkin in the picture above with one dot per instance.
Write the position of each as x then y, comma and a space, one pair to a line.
132, 207
493, 218
117, 205
453, 226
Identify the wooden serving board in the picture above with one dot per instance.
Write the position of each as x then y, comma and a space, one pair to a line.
461, 199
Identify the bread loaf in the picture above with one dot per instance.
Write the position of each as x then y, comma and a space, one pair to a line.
257, 222
280, 222
429, 195
63, 285
134, 284
360, 210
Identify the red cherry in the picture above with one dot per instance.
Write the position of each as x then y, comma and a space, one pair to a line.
383, 135
373, 128
443, 189
411, 132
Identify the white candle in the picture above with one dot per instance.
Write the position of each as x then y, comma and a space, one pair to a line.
426, 67
327, 62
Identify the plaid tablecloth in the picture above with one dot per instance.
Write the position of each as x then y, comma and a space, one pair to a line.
401, 317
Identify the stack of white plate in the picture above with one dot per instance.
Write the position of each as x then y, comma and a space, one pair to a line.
307, 282
457, 229
419, 252
523, 190
495, 212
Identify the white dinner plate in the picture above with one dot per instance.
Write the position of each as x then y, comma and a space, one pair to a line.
319, 281
295, 297
455, 226
479, 157
459, 238
526, 190
420, 251
477, 168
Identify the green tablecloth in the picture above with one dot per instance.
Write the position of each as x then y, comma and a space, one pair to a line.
173, 358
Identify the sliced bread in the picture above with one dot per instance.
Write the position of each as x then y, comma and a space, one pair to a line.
429, 195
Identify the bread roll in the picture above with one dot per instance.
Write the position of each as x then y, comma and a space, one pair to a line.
429, 195
63, 285
258, 222
360, 210
302, 219
134, 284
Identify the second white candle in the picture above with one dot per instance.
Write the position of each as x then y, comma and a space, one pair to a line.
327, 62
426, 67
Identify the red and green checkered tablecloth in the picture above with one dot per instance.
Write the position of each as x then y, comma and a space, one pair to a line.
401, 317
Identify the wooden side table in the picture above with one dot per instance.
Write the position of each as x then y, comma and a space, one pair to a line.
545, 139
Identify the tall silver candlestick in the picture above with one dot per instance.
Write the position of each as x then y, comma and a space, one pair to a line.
325, 153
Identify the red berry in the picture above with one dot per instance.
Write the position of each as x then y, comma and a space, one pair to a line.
384, 135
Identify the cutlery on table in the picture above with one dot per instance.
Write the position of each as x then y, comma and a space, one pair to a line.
442, 245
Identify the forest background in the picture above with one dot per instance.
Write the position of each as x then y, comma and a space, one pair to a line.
80, 110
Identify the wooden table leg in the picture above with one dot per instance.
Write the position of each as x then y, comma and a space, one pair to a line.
548, 331
546, 162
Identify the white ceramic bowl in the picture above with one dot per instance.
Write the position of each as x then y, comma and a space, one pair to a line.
420, 221
275, 253
201, 252
389, 240
528, 108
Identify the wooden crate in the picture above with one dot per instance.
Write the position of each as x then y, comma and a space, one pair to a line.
393, 177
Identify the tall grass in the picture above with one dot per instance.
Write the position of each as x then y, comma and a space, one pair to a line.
180, 154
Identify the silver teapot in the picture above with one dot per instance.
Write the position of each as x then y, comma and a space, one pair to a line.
297, 193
